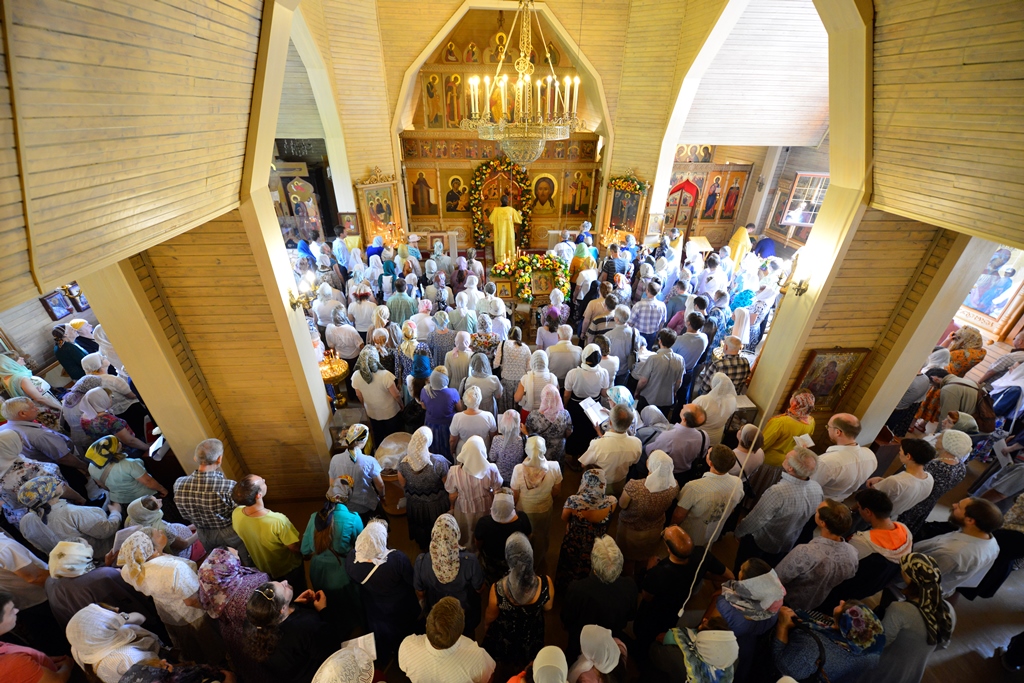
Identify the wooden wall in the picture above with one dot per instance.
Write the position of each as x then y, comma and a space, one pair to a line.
299, 117
28, 327
133, 121
948, 87
233, 464
880, 281
16, 280
210, 284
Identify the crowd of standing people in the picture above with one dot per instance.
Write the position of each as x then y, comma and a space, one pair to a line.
109, 567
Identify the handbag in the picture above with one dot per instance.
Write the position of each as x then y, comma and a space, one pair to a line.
819, 676
984, 409
497, 371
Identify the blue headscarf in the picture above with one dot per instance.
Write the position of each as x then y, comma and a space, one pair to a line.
305, 252
421, 365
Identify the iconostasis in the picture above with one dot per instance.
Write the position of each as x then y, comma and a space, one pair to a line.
721, 189
440, 159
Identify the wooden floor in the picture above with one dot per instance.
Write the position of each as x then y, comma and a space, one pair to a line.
982, 625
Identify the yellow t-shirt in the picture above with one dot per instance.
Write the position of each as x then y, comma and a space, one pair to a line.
267, 539
353, 242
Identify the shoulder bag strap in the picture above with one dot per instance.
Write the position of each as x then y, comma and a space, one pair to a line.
106, 473
372, 572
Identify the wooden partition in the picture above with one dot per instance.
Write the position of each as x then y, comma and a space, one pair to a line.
209, 280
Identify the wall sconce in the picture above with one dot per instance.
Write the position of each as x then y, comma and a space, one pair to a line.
800, 287
306, 294
760, 183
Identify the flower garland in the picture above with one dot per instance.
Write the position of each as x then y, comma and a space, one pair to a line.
521, 269
476, 199
628, 183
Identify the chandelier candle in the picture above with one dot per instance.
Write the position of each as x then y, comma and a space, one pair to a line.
575, 93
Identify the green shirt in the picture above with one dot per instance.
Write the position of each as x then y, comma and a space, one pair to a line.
122, 482
267, 539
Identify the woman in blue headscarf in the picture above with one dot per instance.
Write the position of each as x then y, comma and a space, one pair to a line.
376, 248
306, 253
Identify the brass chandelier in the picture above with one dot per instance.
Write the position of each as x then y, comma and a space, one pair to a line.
534, 118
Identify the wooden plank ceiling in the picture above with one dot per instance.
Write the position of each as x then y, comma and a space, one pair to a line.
768, 84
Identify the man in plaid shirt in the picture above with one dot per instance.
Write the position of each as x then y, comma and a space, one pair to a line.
731, 363
649, 315
204, 498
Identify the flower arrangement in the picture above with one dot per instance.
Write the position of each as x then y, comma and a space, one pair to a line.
476, 199
521, 269
628, 183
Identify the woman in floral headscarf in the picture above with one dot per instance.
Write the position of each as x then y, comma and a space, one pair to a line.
853, 643
484, 340
378, 393
225, 587
917, 626
551, 422
16, 470
779, 433
588, 513
965, 351
448, 570
382, 321
406, 354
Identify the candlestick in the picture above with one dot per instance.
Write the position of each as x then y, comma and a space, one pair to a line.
547, 93
565, 104
539, 116
504, 100
558, 99
575, 93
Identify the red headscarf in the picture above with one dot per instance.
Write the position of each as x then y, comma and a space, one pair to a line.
800, 405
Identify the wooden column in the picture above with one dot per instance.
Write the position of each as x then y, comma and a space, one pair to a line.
849, 24
955, 276
126, 312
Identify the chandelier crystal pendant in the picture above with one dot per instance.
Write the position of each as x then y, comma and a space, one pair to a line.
534, 117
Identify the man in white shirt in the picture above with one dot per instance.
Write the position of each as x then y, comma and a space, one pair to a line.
908, 488
22, 574
444, 654
711, 279
563, 356
616, 450
660, 375
703, 503
844, 467
966, 555
565, 249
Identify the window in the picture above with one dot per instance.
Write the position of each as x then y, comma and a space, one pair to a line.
805, 199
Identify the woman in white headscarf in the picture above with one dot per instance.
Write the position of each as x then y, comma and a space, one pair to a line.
173, 583
473, 295
99, 420
741, 325
382, 321
589, 380
601, 654
528, 394
381, 398
719, 404
356, 264
473, 421
471, 485
147, 511
385, 577
463, 318
373, 273
109, 352
456, 361
361, 308
449, 570
325, 305
484, 340
535, 483
646, 275
644, 503
557, 308
422, 476
480, 376
106, 643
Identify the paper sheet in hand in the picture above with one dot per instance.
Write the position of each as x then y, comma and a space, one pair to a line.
804, 440
158, 449
366, 643
595, 412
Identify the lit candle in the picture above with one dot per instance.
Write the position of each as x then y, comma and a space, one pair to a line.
504, 97
575, 93
565, 104
558, 98
539, 116
547, 92
474, 84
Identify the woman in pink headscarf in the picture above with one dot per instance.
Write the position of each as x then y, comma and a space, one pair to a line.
552, 422
456, 361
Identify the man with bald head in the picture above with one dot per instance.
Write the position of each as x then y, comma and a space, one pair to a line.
667, 583
684, 443
843, 468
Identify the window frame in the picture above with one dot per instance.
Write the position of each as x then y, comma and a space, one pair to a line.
785, 222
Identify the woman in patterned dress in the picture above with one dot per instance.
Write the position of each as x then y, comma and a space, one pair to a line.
588, 514
422, 476
551, 422
441, 340
643, 503
513, 357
